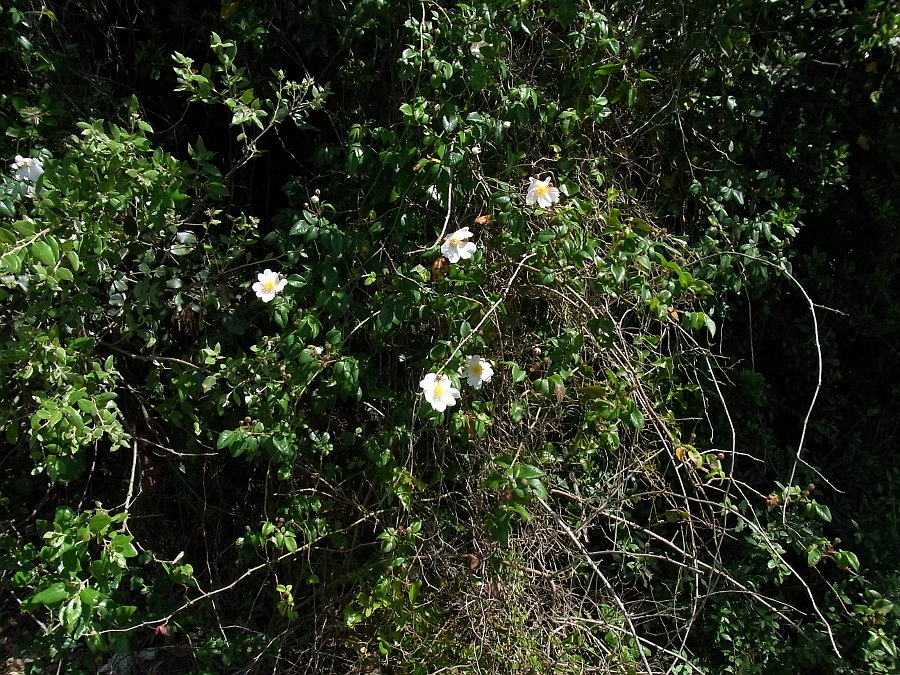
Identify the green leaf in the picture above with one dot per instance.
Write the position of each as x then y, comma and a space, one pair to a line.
567, 187
636, 418
538, 489
618, 273
11, 263
184, 243
521, 510
25, 228
89, 596
846, 559
414, 590
122, 544
527, 471
822, 512
517, 374
71, 613
123, 612
226, 439
592, 392
608, 68
813, 556
50, 596
42, 251
677, 515
99, 523
542, 386
82, 343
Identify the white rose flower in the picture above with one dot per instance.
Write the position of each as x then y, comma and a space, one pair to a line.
269, 285
28, 168
439, 391
455, 246
540, 192
477, 371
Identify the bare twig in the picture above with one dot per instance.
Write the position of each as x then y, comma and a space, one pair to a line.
490, 311
222, 589
151, 359
601, 576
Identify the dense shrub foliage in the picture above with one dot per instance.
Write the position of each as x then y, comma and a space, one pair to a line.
492, 337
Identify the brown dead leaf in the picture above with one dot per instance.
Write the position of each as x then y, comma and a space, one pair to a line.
439, 268
559, 391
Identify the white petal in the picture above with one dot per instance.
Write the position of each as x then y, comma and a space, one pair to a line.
451, 253
461, 233
467, 249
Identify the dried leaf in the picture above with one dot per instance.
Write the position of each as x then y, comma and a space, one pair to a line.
439, 269
559, 391
493, 589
